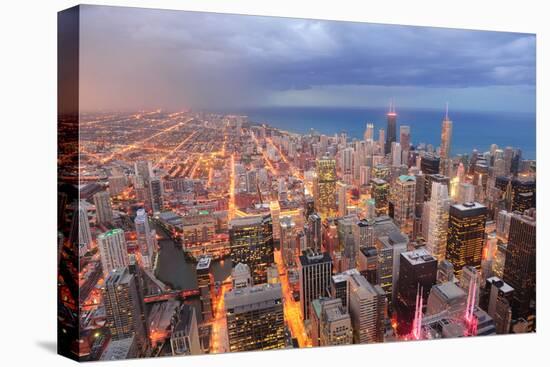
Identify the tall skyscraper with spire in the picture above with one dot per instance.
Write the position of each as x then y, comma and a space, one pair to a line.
445, 148
391, 131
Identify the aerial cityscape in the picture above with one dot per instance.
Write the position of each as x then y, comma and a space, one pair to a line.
196, 230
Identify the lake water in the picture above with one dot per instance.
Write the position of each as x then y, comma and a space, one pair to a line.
470, 129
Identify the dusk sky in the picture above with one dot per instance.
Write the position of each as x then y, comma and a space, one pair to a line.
135, 59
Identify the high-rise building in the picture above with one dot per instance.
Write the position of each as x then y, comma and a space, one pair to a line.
342, 190
84, 232
314, 233
330, 323
519, 267
184, 335
364, 175
255, 319
205, 281
446, 134
124, 308
347, 245
396, 154
417, 270
380, 192
466, 235
112, 250
389, 248
503, 220
103, 209
251, 243
367, 305
402, 202
367, 263
429, 164
288, 246
315, 271
438, 221
145, 238
498, 298
339, 286
325, 187
369, 132
155, 187
391, 131
405, 137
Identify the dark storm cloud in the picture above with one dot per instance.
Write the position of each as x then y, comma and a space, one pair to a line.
137, 57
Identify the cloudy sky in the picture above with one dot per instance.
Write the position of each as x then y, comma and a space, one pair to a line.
135, 58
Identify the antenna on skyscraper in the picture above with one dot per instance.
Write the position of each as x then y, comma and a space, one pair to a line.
446, 110
392, 106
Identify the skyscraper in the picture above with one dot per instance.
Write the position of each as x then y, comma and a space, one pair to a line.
380, 192
520, 264
402, 202
498, 300
367, 309
417, 271
325, 187
314, 232
84, 232
251, 243
155, 187
255, 319
145, 239
369, 132
429, 164
124, 308
438, 221
112, 250
445, 149
104, 211
205, 281
405, 137
391, 131
466, 235
315, 271
288, 240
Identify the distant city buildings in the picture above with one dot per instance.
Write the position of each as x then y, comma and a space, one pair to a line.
276, 239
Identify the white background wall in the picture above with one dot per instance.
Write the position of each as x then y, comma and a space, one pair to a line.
28, 179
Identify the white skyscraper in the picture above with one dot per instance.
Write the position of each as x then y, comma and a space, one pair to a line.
145, 238
112, 249
438, 220
347, 161
396, 154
